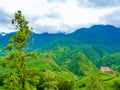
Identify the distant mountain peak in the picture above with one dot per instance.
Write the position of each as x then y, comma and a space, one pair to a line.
103, 26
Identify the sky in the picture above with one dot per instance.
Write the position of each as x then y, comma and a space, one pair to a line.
55, 16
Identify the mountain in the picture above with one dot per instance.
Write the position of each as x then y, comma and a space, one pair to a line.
100, 81
111, 60
95, 43
73, 59
104, 37
81, 65
100, 36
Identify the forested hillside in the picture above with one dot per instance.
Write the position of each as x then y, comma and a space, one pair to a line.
30, 61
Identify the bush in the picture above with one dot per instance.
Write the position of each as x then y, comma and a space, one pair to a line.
116, 85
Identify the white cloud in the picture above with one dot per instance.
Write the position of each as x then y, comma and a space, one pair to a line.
54, 15
99, 3
115, 18
6, 28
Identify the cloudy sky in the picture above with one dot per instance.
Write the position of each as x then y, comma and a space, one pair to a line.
60, 15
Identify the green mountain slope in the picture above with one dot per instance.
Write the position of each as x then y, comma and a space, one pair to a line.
111, 60
76, 56
94, 54
100, 81
81, 65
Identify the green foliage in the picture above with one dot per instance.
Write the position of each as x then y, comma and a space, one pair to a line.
94, 54
62, 63
116, 84
81, 65
48, 81
2, 77
95, 84
16, 59
20, 75
73, 60
111, 60
66, 85
99, 81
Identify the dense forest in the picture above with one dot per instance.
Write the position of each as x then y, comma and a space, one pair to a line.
74, 61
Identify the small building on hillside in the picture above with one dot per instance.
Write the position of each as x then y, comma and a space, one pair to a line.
105, 69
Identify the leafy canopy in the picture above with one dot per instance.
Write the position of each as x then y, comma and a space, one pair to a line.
20, 77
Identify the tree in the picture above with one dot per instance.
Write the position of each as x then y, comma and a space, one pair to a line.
94, 84
66, 85
19, 78
116, 85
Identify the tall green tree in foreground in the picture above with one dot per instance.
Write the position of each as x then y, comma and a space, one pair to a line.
19, 78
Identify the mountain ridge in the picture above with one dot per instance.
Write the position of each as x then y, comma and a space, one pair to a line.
100, 36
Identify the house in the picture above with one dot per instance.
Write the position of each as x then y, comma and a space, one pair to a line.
105, 69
